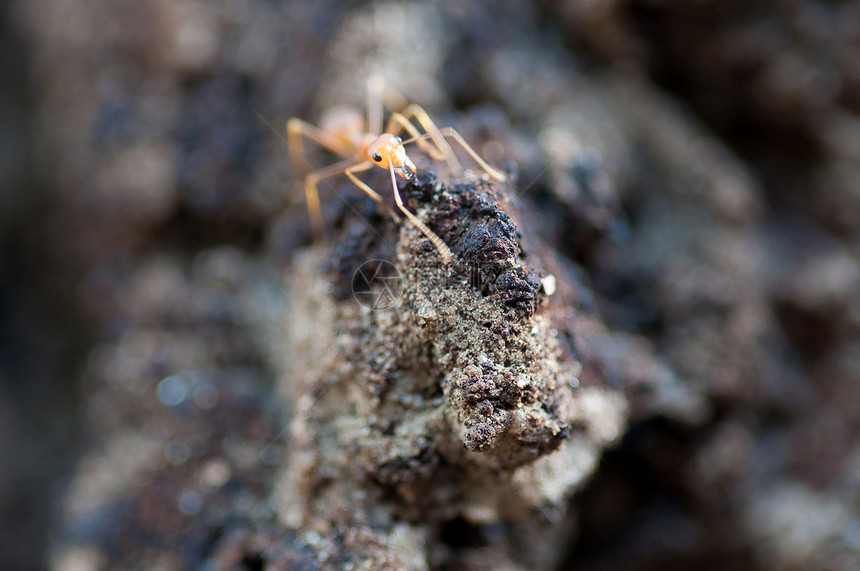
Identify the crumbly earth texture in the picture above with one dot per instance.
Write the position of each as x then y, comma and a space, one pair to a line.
452, 398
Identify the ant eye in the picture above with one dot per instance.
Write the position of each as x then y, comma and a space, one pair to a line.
376, 157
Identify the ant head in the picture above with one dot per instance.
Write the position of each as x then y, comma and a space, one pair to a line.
387, 151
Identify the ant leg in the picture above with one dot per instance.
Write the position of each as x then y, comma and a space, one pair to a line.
494, 173
296, 130
386, 94
361, 167
375, 93
312, 194
429, 125
451, 132
443, 249
441, 151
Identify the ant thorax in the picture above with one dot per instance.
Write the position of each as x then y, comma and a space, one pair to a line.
345, 123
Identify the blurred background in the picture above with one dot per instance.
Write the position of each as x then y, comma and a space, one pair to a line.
697, 162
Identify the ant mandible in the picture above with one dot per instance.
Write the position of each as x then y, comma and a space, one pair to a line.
342, 131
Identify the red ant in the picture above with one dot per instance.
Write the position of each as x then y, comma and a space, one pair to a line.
342, 131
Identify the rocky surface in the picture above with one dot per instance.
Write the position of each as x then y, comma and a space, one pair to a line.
441, 391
